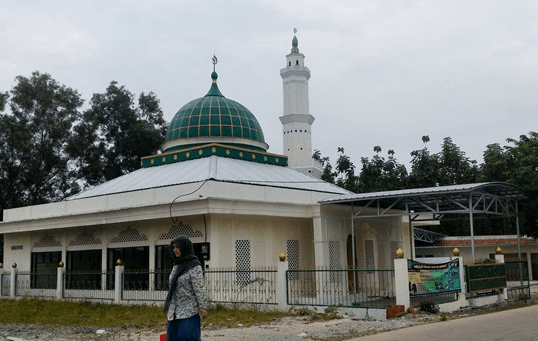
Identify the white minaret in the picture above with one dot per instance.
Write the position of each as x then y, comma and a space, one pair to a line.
297, 121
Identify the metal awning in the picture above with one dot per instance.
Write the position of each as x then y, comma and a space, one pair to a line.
426, 236
490, 199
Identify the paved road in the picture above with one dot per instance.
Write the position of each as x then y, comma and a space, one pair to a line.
509, 325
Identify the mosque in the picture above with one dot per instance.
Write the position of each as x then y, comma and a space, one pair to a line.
216, 183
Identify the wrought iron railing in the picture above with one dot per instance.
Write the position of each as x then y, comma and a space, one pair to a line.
5, 284
88, 285
36, 284
145, 285
348, 288
237, 285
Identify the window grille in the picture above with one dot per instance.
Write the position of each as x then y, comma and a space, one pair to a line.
292, 249
334, 259
181, 228
369, 254
242, 260
48, 241
86, 238
129, 235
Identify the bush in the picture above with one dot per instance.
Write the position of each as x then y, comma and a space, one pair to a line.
429, 307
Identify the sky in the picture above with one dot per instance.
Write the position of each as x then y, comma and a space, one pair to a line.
383, 73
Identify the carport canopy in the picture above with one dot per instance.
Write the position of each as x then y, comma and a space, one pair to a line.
490, 199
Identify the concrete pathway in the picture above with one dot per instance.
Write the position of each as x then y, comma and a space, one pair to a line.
510, 325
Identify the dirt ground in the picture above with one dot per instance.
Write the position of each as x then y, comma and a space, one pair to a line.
286, 329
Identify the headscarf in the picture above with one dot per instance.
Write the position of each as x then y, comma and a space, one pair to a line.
187, 261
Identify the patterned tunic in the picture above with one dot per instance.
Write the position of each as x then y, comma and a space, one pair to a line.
189, 296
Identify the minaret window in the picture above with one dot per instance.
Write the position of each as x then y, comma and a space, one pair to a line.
296, 62
289, 64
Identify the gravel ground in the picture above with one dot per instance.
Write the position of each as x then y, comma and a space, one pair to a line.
286, 329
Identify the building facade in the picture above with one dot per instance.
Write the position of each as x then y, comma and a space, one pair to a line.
216, 183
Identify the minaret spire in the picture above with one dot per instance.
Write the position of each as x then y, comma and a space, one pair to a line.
297, 121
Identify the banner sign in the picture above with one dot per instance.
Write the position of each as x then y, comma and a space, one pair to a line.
427, 278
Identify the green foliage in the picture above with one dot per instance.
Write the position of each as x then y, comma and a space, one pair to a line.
429, 307
34, 167
37, 311
115, 133
62, 313
517, 163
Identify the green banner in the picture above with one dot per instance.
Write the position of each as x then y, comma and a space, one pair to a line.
425, 278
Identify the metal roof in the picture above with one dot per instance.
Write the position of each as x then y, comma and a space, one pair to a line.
493, 198
211, 168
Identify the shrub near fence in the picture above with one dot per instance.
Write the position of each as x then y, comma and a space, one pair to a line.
348, 288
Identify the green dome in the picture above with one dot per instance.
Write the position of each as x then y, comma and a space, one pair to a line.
214, 119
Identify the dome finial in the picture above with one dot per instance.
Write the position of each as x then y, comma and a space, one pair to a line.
294, 42
215, 61
214, 75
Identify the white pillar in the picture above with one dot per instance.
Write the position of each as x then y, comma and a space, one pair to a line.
462, 299
401, 282
499, 259
60, 283
13, 280
321, 244
281, 285
118, 285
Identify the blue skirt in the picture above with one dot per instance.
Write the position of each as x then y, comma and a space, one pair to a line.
188, 329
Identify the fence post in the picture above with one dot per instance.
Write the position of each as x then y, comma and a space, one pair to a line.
118, 284
281, 284
60, 283
401, 282
1, 280
499, 259
13, 280
462, 298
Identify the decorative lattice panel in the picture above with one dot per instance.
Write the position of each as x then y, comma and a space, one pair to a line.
129, 235
181, 229
334, 259
292, 248
48, 241
334, 254
242, 260
369, 254
86, 238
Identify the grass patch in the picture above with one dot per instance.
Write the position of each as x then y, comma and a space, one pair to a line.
65, 313
38, 311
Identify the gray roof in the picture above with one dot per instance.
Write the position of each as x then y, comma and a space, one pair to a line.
211, 168
489, 198
497, 188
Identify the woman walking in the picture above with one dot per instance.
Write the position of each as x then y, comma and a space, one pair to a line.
186, 301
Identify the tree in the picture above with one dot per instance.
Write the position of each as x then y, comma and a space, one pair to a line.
327, 174
115, 133
379, 174
517, 163
455, 168
345, 172
34, 167
424, 169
